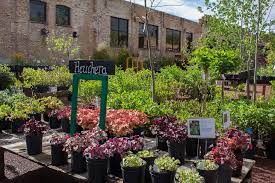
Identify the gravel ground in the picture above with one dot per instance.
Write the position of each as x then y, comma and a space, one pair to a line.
264, 171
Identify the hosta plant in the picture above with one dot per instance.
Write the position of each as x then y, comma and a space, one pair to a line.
33, 127
59, 139
206, 165
146, 154
132, 161
166, 163
184, 175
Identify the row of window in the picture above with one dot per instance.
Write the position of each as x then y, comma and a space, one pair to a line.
119, 36
38, 13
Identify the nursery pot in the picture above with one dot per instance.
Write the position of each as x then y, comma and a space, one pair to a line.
210, 176
65, 125
161, 144
62, 88
239, 156
138, 131
59, 157
54, 122
6, 124
224, 174
115, 168
41, 89
1, 126
176, 150
46, 117
162, 177
16, 126
191, 147
149, 162
78, 162
36, 116
34, 144
133, 174
97, 170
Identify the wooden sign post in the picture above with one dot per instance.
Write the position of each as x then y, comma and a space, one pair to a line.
90, 70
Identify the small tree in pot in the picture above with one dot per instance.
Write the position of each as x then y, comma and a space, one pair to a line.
163, 170
184, 175
34, 131
133, 169
149, 157
208, 169
59, 156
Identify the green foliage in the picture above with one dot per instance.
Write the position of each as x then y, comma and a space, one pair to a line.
102, 52
7, 78
5, 110
166, 163
146, 154
206, 165
51, 103
132, 161
123, 54
160, 62
188, 175
203, 57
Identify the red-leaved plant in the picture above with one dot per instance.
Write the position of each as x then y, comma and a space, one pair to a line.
98, 151
59, 139
160, 124
238, 140
96, 133
34, 127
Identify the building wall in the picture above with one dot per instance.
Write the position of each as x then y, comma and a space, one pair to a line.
91, 19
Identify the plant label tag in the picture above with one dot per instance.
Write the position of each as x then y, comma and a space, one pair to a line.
202, 128
92, 67
226, 119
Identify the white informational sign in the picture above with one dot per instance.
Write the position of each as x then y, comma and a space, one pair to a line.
202, 128
226, 119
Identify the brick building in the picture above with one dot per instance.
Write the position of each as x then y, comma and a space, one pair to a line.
118, 23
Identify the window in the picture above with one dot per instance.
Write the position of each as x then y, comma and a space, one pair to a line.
173, 40
119, 32
38, 11
63, 15
189, 40
153, 35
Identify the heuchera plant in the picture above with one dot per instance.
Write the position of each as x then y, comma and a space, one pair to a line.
97, 151
96, 133
64, 113
175, 133
222, 154
238, 139
33, 127
59, 139
160, 124
78, 143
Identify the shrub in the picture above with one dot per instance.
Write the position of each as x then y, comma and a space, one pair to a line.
7, 78
123, 54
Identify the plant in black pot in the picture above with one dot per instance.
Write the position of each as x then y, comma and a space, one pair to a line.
97, 157
208, 170
184, 175
164, 169
149, 157
133, 169
18, 117
75, 146
223, 155
34, 131
37, 109
159, 125
64, 115
4, 113
59, 156
7, 78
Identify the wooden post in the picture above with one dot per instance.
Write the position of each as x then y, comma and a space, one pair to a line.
264, 90
2, 164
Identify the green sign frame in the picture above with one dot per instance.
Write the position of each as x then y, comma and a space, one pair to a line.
103, 103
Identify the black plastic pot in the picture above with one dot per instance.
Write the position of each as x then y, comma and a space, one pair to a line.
41, 89
210, 176
34, 144
59, 157
239, 156
65, 125
205, 145
162, 177
138, 131
149, 162
78, 162
46, 117
115, 168
28, 92
270, 149
133, 175
6, 124
97, 170
161, 144
78, 128
62, 88
224, 174
16, 126
36, 116
177, 150
191, 147
54, 122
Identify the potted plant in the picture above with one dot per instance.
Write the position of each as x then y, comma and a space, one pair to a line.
75, 146
149, 157
208, 170
4, 113
59, 156
223, 155
184, 175
163, 170
7, 78
37, 109
52, 104
34, 131
133, 169
18, 118
97, 156
64, 116
97, 134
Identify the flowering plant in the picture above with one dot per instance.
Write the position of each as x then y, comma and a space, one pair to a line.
97, 151
96, 133
59, 139
238, 139
78, 143
175, 132
222, 154
160, 124
33, 127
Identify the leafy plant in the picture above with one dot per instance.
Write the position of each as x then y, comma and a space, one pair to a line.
166, 163
188, 175
132, 161
59, 139
123, 54
51, 103
97, 151
7, 78
33, 127
206, 165
5, 111
146, 154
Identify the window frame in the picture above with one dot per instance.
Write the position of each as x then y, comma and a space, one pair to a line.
119, 32
173, 44
189, 35
145, 45
69, 15
38, 2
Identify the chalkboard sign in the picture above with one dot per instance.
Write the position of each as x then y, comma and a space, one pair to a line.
92, 67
